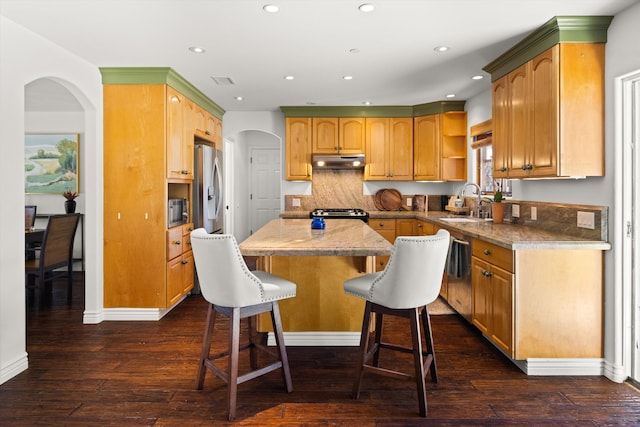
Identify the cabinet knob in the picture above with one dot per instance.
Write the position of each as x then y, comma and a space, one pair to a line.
486, 273
184, 261
487, 252
184, 172
177, 242
503, 169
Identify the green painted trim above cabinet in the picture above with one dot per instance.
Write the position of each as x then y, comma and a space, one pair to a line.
377, 111
159, 75
560, 29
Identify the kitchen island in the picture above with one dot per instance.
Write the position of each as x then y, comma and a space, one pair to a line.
318, 261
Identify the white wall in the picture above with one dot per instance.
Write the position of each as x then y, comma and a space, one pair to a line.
25, 57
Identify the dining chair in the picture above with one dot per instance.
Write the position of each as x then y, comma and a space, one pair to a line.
29, 216
55, 257
237, 293
411, 280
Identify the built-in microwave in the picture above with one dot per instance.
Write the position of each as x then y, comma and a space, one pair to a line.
177, 212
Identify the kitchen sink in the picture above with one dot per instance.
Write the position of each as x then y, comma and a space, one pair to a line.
464, 219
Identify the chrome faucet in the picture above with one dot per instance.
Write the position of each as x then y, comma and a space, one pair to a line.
478, 192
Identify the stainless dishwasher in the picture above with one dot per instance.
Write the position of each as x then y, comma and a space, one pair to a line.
459, 274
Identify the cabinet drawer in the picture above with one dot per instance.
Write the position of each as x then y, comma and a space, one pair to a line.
493, 254
187, 228
175, 243
383, 224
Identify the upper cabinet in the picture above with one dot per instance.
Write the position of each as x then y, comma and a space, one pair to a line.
179, 158
440, 147
298, 134
388, 149
333, 135
548, 109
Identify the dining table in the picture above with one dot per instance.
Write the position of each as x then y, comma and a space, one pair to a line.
33, 237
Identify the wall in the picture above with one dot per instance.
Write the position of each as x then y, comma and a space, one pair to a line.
17, 69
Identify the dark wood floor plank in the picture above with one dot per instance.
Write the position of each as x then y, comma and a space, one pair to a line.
143, 374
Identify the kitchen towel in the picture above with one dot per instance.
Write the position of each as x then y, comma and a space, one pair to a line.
457, 259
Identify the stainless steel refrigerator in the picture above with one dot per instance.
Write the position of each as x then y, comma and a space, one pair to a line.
208, 200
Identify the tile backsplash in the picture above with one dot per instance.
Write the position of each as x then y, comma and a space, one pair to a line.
344, 188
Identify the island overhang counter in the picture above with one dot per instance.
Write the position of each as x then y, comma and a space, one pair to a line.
318, 261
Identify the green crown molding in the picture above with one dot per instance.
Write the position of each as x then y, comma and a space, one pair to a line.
377, 111
437, 107
560, 29
159, 75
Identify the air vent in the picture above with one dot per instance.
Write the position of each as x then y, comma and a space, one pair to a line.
223, 81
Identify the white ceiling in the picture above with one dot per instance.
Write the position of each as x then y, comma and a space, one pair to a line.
309, 39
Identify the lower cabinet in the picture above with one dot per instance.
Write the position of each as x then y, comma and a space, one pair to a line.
180, 267
492, 299
387, 228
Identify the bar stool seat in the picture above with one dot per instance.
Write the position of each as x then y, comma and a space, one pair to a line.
410, 281
237, 293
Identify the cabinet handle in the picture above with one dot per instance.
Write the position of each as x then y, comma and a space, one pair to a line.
177, 242
503, 169
487, 252
184, 261
529, 167
486, 273
184, 172
381, 224
419, 225
206, 132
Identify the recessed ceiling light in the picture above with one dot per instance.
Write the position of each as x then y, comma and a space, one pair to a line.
441, 48
238, 98
366, 7
354, 50
366, 103
477, 77
451, 95
271, 8
196, 49
289, 77
347, 77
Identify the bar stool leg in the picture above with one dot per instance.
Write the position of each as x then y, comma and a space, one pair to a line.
206, 347
234, 351
364, 344
417, 360
426, 325
277, 329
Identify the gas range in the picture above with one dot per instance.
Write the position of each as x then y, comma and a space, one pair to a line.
340, 213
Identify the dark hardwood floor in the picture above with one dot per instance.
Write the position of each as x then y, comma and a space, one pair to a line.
142, 374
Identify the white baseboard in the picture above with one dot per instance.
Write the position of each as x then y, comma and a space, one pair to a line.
138, 314
14, 368
310, 339
565, 366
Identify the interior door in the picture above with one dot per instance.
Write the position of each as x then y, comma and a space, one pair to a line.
265, 186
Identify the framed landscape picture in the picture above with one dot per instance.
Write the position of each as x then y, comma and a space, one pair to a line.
51, 163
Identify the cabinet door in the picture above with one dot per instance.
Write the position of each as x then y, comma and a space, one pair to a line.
502, 309
186, 153
376, 145
188, 273
400, 150
544, 118
500, 142
426, 148
481, 295
520, 134
326, 134
174, 280
298, 148
199, 121
175, 134
352, 135
405, 227
423, 228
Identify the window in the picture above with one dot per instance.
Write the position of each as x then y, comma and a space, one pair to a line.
487, 183
481, 134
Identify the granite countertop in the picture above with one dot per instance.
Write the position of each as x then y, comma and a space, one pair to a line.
510, 236
294, 237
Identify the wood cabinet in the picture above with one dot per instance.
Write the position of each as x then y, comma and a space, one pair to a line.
537, 303
338, 135
298, 137
388, 149
440, 147
180, 265
548, 115
179, 145
492, 293
405, 227
137, 268
386, 227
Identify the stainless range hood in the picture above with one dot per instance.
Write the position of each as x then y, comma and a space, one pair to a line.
337, 161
